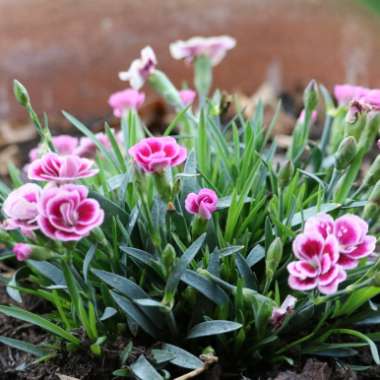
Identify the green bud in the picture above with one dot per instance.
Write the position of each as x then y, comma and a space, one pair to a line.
163, 86
285, 173
100, 237
368, 135
345, 153
370, 211
376, 279
373, 173
169, 257
21, 94
273, 257
41, 253
310, 96
374, 197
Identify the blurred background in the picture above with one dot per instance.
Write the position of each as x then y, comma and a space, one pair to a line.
68, 53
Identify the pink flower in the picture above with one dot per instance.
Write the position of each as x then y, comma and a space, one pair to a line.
215, 48
52, 167
314, 116
203, 204
351, 234
317, 266
140, 69
279, 313
154, 154
67, 214
321, 223
20, 207
354, 243
372, 99
64, 145
345, 93
22, 251
88, 149
124, 100
187, 97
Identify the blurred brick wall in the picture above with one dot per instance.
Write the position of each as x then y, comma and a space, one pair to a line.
68, 52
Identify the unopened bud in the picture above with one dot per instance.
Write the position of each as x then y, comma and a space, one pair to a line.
345, 153
376, 279
310, 95
373, 173
163, 86
273, 257
20, 92
168, 257
370, 211
285, 173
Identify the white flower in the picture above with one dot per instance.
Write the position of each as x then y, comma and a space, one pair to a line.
140, 68
215, 48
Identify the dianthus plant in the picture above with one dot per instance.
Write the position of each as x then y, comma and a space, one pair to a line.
207, 241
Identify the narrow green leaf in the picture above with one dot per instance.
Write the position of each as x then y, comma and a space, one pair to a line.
23, 315
183, 262
23, 346
143, 370
135, 314
182, 358
205, 286
216, 327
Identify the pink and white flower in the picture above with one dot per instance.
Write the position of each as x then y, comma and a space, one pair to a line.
351, 232
317, 266
203, 204
280, 313
215, 48
20, 208
22, 251
154, 154
140, 69
124, 100
345, 93
187, 96
67, 214
63, 144
55, 168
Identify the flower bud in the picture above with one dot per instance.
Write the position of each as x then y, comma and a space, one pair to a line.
285, 173
345, 153
310, 95
374, 197
373, 173
376, 279
21, 94
168, 257
368, 135
163, 86
370, 211
273, 258
22, 251
25, 251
